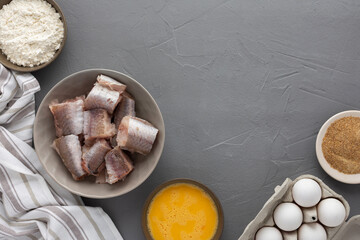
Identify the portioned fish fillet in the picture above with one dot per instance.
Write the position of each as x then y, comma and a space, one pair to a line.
93, 157
136, 135
101, 178
110, 83
69, 149
97, 124
68, 116
113, 142
88, 142
125, 108
102, 97
118, 165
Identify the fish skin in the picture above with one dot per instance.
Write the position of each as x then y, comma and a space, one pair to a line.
102, 166
101, 178
118, 165
97, 124
136, 135
88, 142
113, 142
65, 125
93, 157
110, 83
125, 108
69, 149
102, 97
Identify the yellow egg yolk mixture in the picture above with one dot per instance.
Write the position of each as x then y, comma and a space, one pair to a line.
182, 211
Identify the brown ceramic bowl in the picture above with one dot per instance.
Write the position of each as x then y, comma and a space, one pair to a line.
44, 134
144, 222
8, 64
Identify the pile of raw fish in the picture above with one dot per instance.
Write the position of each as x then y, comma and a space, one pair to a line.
92, 132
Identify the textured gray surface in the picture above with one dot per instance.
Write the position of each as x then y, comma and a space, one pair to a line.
243, 86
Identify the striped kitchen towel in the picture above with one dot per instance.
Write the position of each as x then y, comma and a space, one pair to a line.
32, 205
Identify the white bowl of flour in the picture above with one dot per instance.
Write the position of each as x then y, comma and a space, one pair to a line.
32, 33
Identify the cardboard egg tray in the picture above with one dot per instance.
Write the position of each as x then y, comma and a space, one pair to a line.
282, 194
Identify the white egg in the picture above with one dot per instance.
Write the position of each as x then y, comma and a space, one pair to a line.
268, 233
288, 216
312, 231
306, 192
331, 212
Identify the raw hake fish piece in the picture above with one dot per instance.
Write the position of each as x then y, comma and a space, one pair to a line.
125, 108
110, 83
88, 142
102, 97
69, 149
93, 157
68, 116
97, 124
101, 178
113, 142
118, 165
136, 135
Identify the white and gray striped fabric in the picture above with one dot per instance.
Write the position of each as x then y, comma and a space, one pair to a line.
32, 205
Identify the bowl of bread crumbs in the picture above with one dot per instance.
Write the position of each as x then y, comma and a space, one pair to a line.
338, 147
32, 33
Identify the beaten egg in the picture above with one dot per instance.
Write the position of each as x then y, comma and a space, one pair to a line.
182, 211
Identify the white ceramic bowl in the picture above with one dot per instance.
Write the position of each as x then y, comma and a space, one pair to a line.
342, 177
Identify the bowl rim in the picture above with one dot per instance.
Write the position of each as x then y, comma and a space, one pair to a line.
162, 186
161, 144
8, 64
332, 172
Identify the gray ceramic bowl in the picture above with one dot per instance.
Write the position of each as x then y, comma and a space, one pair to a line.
13, 66
44, 134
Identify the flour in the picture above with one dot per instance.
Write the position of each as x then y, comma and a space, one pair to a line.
30, 32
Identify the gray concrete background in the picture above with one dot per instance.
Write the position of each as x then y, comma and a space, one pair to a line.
243, 86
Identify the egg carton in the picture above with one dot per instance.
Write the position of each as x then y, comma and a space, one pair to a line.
282, 194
